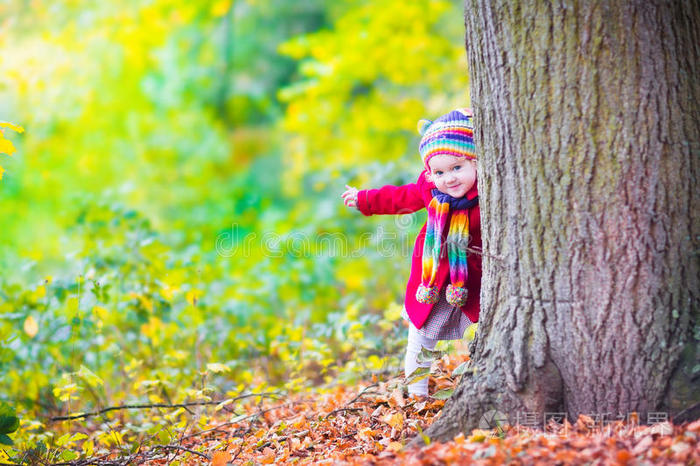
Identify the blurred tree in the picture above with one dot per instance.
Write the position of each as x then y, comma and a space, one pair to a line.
588, 123
364, 84
351, 116
162, 105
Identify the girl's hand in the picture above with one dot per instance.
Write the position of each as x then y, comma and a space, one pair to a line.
350, 196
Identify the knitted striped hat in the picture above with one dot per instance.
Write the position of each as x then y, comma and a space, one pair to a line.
451, 134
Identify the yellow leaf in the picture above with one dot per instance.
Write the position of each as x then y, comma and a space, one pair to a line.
62, 440
100, 312
179, 355
217, 367
375, 362
31, 328
133, 365
117, 438
78, 436
152, 329
12, 126
88, 448
2, 170
221, 405
90, 377
220, 8
6, 146
193, 296
394, 420
38, 293
164, 436
479, 435
69, 455
471, 331
67, 392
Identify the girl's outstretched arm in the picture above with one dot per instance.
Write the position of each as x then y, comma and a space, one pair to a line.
390, 199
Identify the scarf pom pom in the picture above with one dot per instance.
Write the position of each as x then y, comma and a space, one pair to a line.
456, 296
427, 295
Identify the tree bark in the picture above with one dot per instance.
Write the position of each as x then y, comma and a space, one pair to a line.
587, 120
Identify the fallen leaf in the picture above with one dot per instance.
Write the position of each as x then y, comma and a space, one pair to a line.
395, 447
420, 406
443, 394
642, 445
220, 458
395, 420
427, 355
461, 369
479, 435
396, 399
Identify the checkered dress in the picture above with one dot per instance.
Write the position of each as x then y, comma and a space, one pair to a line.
445, 322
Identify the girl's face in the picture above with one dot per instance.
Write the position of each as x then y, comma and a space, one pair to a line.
452, 175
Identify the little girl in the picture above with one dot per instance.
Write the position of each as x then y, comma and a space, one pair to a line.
442, 295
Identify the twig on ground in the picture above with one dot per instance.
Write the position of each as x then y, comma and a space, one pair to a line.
245, 418
342, 410
359, 395
159, 405
178, 447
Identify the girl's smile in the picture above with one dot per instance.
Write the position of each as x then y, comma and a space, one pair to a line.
452, 175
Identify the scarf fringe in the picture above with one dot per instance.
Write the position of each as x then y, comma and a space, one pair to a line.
456, 241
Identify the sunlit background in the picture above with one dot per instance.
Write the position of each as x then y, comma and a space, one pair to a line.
173, 206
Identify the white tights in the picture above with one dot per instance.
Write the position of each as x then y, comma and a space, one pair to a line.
413, 347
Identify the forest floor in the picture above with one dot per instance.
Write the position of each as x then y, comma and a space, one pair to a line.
372, 423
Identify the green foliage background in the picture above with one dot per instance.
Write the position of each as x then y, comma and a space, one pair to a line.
172, 227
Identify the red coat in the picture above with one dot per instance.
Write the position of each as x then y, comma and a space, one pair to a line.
411, 198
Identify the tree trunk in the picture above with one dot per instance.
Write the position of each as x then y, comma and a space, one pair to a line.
587, 122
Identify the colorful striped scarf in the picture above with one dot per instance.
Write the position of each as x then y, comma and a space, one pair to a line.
456, 242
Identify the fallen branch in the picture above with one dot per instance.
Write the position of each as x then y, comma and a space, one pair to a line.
689, 414
245, 418
159, 405
359, 395
178, 447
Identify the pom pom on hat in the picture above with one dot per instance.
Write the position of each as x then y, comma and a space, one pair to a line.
423, 125
451, 134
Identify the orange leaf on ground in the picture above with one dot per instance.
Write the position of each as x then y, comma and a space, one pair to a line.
397, 399
220, 458
367, 431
